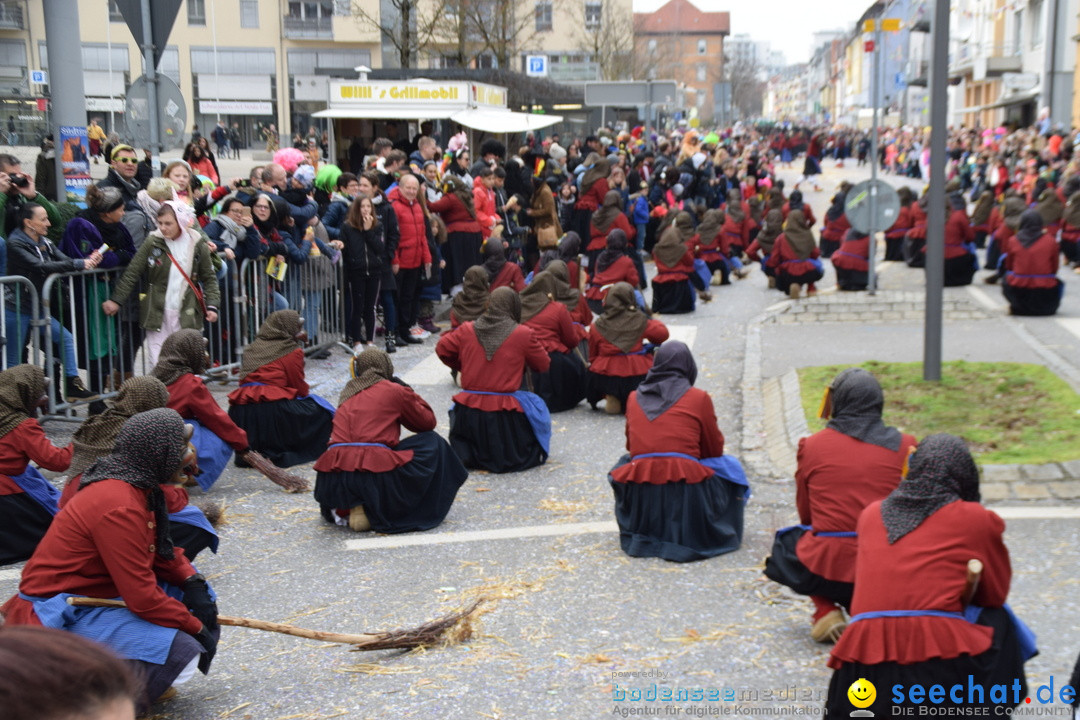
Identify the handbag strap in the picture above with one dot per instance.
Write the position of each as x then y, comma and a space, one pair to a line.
194, 288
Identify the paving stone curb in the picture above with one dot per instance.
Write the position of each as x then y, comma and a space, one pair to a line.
884, 307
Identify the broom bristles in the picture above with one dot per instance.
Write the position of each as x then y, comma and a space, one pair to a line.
449, 629
291, 483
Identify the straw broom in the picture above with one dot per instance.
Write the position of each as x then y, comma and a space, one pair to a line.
452, 628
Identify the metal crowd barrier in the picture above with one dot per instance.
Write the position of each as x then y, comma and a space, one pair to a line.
108, 350
20, 343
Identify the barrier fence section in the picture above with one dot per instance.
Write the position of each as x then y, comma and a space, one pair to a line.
78, 338
22, 310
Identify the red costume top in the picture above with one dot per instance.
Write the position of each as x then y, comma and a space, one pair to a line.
454, 213
28, 443
707, 249
958, 231
509, 276
903, 223
735, 233
283, 379
598, 238
375, 415
189, 397
838, 476
835, 229
607, 359
1035, 266
622, 270
554, 328
102, 545
592, 198
679, 273
924, 570
689, 427
783, 255
853, 254
1069, 233
918, 222
808, 213
461, 350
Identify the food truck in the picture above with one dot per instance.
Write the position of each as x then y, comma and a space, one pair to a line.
362, 110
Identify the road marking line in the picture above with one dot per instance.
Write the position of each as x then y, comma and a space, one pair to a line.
511, 533
1070, 324
429, 371
983, 299
683, 333
1037, 512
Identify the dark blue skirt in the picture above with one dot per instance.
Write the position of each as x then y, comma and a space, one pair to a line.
415, 496
679, 521
562, 387
499, 441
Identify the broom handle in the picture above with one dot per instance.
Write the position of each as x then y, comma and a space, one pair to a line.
971, 583
253, 624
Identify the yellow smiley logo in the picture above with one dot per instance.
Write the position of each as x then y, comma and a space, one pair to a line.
862, 693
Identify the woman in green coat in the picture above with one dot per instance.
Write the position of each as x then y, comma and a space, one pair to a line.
181, 287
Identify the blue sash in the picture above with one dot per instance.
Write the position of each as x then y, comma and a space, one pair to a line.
40, 490
213, 452
640, 299
358, 444
529, 278
1025, 637
646, 348
536, 412
192, 515
123, 631
824, 533
321, 401
851, 255
725, 467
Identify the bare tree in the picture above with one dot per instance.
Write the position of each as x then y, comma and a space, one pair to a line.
502, 27
411, 27
747, 87
609, 39
656, 57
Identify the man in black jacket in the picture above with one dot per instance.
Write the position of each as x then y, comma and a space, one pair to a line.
17, 189
123, 175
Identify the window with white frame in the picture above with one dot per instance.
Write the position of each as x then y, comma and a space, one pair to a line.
196, 12
543, 16
593, 15
702, 72
249, 13
651, 46
702, 46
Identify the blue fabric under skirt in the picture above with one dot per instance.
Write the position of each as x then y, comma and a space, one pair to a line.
415, 496
214, 455
680, 521
127, 634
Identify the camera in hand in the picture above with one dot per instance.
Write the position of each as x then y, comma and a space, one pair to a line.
19, 180
243, 184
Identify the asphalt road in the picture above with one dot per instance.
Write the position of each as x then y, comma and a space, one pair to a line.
570, 618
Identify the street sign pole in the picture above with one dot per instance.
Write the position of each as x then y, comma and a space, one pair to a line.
150, 66
935, 225
871, 286
66, 87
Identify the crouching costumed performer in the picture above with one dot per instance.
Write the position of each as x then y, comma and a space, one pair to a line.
370, 479
183, 359
923, 612
495, 426
854, 461
677, 496
112, 541
27, 500
273, 404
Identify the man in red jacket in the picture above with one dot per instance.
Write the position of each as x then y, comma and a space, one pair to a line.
412, 254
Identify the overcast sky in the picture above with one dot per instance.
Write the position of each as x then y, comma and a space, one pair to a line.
786, 24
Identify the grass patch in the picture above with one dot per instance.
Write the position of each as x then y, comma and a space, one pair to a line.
1007, 412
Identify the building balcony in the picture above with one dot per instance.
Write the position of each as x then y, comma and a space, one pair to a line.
319, 28
11, 17
985, 60
917, 73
